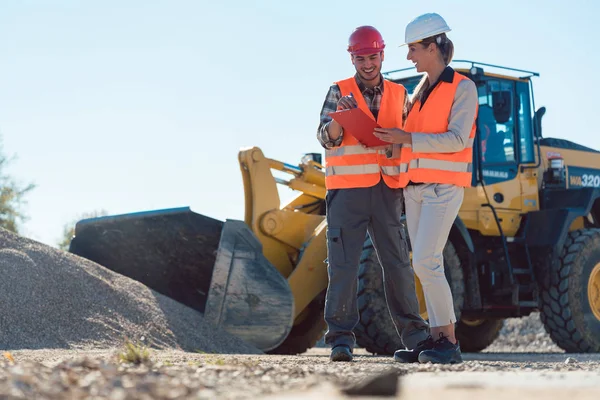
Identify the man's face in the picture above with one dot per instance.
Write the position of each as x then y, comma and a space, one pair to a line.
368, 66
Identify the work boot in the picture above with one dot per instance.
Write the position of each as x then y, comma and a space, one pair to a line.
443, 352
412, 356
341, 352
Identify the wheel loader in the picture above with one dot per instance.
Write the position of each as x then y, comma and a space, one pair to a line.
526, 239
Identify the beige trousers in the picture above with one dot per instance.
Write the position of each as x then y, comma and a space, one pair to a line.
430, 212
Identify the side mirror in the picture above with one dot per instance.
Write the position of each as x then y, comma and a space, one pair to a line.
476, 75
537, 121
502, 105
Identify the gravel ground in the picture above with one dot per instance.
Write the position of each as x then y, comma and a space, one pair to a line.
63, 320
175, 374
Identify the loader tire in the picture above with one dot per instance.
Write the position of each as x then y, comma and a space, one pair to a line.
375, 330
570, 295
306, 333
475, 336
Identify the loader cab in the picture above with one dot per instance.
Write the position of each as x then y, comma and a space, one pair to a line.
505, 126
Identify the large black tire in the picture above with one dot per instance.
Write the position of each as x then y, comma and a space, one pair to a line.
570, 302
375, 330
475, 336
308, 332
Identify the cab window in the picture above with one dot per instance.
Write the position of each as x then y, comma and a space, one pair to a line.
495, 122
526, 145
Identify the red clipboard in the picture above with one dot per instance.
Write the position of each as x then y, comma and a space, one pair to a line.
360, 125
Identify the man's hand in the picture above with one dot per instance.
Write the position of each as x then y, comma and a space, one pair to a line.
346, 103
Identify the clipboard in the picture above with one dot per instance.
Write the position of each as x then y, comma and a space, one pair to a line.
360, 125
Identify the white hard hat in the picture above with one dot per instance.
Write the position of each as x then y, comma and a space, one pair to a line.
424, 26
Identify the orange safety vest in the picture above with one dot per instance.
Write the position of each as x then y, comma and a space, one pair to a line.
451, 168
349, 165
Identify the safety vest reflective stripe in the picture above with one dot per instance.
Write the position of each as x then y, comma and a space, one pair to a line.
465, 155
395, 169
452, 166
350, 165
353, 169
366, 169
469, 145
347, 150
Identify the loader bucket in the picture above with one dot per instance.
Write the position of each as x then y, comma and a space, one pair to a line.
248, 296
215, 267
171, 251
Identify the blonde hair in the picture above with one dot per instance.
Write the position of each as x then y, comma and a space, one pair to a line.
446, 48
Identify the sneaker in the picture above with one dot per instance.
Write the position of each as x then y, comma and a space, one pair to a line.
443, 352
341, 352
412, 356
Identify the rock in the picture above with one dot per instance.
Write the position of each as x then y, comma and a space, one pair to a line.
385, 383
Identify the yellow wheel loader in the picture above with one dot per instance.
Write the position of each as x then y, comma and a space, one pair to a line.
527, 239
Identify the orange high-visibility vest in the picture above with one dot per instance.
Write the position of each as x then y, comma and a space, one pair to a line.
452, 168
350, 165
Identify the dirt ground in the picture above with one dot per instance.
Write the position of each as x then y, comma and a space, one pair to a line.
72, 374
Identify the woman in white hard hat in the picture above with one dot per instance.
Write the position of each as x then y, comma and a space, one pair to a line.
439, 129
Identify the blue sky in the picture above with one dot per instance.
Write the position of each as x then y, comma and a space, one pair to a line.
138, 105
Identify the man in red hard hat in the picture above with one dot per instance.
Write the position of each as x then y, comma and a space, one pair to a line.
364, 194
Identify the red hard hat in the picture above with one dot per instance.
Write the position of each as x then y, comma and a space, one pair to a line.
365, 40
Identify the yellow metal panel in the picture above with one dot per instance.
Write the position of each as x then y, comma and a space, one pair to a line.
469, 217
509, 221
575, 158
314, 177
578, 223
309, 189
519, 195
421, 298
262, 196
530, 183
309, 278
290, 227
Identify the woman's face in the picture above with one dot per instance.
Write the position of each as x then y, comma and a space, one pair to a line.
420, 56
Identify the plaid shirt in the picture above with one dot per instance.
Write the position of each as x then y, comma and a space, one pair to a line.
372, 97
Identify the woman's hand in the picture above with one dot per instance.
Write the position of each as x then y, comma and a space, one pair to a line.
393, 135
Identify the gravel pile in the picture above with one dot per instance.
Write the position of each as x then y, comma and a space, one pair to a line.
525, 334
53, 299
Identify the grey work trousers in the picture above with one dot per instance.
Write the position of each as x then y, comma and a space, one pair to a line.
351, 213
